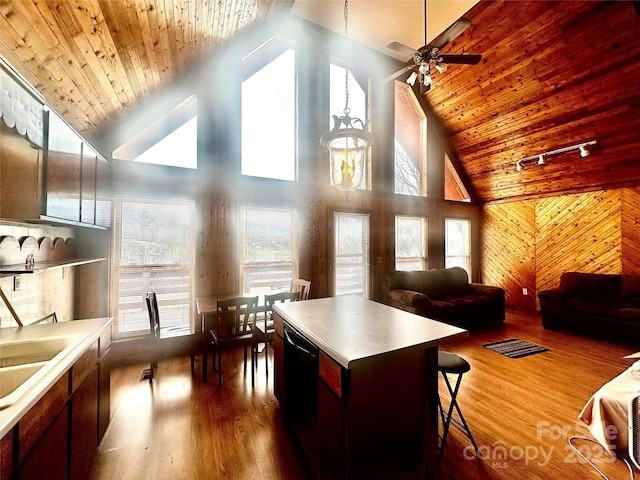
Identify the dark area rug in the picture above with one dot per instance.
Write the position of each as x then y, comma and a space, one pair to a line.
515, 348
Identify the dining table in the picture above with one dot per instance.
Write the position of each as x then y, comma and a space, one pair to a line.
207, 309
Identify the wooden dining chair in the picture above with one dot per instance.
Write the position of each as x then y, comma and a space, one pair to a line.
154, 330
156, 333
301, 287
233, 327
264, 330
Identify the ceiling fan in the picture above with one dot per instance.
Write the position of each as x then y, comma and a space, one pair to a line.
429, 55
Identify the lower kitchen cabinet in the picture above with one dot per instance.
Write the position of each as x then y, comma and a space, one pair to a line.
84, 427
6, 456
57, 438
48, 458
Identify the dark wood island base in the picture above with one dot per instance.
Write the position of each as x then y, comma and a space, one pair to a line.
359, 388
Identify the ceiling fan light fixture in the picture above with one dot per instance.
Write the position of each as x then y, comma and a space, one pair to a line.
426, 80
441, 67
412, 78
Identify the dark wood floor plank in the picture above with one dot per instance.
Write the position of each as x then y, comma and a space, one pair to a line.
521, 412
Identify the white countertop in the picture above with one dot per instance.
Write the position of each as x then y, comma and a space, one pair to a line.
92, 328
353, 330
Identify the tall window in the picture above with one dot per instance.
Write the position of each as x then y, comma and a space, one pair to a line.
269, 248
410, 158
358, 104
411, 242
458, 243
269, 113
351, 233
153, 250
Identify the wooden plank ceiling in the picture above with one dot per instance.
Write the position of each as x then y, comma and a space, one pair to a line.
553, 74
94, 59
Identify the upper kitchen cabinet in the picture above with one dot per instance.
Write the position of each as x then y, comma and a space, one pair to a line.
77, 178
21, 147
88, 184
47, 171
103, 193
63, 171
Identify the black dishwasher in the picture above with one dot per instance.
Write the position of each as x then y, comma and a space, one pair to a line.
301, 387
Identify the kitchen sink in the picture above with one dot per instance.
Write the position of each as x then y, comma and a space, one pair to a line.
24, 363
34, 350
12, 377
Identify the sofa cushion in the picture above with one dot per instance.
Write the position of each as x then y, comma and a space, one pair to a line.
592, 282
625, 313
407, 281
456, 281
433, 284
630, 285
591, 303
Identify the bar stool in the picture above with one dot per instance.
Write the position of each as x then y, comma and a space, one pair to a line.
448, 363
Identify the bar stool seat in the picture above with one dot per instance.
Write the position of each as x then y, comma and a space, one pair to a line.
451, 364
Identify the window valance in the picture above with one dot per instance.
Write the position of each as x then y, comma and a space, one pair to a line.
20, 108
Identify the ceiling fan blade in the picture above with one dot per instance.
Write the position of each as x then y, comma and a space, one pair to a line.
450, 33
461, 59
401, 48
395, 75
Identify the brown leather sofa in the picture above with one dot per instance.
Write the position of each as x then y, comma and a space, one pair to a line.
601, 305
445, 295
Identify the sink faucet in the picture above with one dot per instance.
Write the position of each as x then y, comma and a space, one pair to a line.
10, 307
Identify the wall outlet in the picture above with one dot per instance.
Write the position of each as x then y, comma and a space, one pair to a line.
525, 292
16, 283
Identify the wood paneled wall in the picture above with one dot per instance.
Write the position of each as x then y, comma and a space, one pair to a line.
529, 244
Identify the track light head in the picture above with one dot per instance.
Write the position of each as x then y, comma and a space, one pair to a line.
541, 159
583, 151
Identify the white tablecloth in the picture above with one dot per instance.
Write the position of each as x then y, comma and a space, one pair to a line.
607, 411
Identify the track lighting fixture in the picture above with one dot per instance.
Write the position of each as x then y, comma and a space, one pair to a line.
541, 158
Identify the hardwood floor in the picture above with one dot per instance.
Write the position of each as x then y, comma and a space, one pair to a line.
520, 411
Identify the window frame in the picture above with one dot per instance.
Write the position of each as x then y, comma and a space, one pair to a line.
423, 247
252, 63
333, 254
115, 266
417, 106
467, 256
295, 254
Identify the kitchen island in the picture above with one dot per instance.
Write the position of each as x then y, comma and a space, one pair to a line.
357, 381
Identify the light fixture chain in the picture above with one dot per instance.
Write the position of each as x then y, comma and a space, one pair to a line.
347, 110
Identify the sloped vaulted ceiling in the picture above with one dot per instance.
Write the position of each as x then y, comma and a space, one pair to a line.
95, 59
553, 74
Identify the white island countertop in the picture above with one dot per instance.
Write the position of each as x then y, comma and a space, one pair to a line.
90, 330
353, 330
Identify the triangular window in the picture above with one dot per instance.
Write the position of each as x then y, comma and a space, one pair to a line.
454, 189
171, 140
